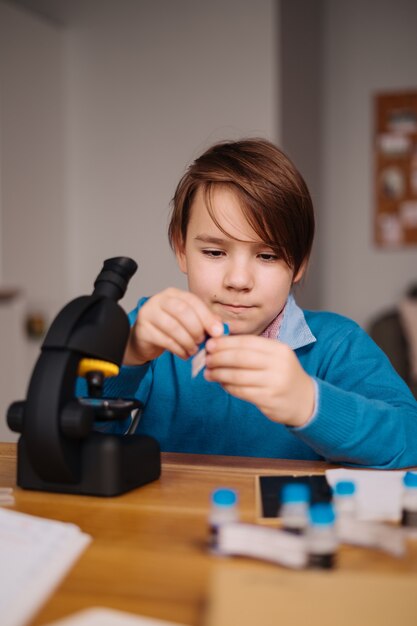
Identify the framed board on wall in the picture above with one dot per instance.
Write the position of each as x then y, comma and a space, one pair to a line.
396, 169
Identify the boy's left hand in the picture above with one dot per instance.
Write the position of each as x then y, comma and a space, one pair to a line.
264, 372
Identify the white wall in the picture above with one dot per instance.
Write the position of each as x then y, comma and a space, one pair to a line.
32, 157
13, 358
98, 119
151, 85
368, 47
33, 212
300, 63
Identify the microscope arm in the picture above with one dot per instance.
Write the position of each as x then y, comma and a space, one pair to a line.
52, 421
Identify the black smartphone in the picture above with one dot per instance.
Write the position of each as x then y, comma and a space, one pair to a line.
270, 491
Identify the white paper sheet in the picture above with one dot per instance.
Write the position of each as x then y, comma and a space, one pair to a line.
98, 616
35, 555
378, 492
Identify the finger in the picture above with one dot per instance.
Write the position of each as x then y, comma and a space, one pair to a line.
235, 377
167, 342
171, 334
212, 323
249, 394
238, 359
194, 314
177, 316
240, 342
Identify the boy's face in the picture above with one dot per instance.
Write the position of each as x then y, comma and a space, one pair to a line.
241, 281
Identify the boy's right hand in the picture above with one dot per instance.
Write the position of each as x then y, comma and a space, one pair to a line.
173, 320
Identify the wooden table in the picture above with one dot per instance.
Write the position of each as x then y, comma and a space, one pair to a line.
148, 554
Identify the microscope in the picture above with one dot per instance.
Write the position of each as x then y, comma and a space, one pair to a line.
58, 450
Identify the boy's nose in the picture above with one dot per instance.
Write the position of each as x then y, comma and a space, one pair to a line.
238, 276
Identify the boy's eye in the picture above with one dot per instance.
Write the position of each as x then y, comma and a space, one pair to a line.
268, 256
213, 253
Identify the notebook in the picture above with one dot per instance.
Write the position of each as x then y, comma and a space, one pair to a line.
36, 554
100, 616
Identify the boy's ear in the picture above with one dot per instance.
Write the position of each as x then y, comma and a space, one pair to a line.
181, 258
300, 272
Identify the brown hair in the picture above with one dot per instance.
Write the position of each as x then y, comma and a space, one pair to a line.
274, 197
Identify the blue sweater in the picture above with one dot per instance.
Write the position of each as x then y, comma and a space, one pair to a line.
365, 414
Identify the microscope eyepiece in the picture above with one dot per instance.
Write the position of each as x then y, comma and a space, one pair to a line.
114, 277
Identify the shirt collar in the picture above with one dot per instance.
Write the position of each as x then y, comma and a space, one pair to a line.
294, 330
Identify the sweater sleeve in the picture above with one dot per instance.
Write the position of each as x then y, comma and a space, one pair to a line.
366, 415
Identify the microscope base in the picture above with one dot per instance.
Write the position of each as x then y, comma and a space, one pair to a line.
109, 466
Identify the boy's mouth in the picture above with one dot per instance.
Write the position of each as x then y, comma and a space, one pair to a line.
235, 307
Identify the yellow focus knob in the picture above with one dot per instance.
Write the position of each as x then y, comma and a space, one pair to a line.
95, 365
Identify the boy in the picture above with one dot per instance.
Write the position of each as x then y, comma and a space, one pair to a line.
285, 383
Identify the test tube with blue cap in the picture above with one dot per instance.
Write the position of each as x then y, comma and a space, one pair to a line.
295, 500
344, 499
321, 536
409, 500
224, 510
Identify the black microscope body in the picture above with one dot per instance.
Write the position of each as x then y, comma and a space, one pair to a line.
58, 450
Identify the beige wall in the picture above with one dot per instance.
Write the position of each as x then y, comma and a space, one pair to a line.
151, 85
101, 108
32, 158
367, 47
103, 103
33, 210
147, 85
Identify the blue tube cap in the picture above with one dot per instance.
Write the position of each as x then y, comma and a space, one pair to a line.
224, 497
410, 480
344, 488
322, 514
295, 492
